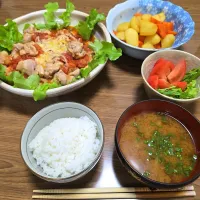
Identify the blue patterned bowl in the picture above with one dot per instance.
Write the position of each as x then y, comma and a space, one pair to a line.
183, 23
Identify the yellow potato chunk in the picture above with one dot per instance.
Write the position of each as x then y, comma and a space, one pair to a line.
160, 16
123, 26
168, 41
148, 46
146, 17
120, 35
135, 23
154, 39
131, 37
147, 28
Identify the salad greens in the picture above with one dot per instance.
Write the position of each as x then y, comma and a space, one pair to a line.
40, 92
51, 20
86, 27
191, 90
103, 51
31, 83
65, 16
9, 35
17, 79
192, 75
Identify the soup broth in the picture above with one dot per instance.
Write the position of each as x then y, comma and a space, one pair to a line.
159, 147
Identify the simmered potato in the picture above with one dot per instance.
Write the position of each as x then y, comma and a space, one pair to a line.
168, 41
131, 37
160, 16
154, 39
123, 26
135, 23
121, 35
147, 28
148, 46
146, 17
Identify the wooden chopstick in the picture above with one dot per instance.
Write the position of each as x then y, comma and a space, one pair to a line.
154, 195
109, 190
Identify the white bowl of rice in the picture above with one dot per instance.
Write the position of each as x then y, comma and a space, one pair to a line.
62, 142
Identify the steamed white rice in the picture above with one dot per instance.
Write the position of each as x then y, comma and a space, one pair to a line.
66, 146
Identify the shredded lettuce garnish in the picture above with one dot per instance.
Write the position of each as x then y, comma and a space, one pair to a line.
51, 21
86, 27
103, 51
9, 35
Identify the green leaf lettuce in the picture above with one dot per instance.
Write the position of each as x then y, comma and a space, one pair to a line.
174, 92
9, 35
86, 27
40, 92
103, 51
51, 21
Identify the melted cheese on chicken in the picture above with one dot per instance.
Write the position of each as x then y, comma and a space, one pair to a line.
52, 47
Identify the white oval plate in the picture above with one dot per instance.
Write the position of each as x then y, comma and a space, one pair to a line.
37, 17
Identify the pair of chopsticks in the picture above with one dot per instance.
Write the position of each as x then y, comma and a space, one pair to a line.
113, 193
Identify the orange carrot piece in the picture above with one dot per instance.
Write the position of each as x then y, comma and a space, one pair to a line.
115, 32
169, 26
172, 32
140, 43
138, 14
162, 30
157, 46
155, 21
142, 38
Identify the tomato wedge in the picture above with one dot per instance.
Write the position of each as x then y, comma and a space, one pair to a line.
153, 81
178, 72
163, 83
162, 68
182, 85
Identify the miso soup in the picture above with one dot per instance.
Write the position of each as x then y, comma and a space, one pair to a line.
159, 147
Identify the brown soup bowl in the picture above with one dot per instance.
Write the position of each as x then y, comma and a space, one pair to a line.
174, 110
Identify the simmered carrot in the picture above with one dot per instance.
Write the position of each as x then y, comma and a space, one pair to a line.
138, 14
162, 31
142, 38
155, 21
172, 32
115, 32
169, 26
140, 43
157, 46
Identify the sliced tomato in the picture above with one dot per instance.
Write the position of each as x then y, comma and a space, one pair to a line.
153, 81
163, 83
178, 72
39, 49
172, 66
162, 68
65, 69
182, 85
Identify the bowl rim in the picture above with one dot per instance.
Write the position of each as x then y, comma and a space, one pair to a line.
71, 86
75, 176
112, 10
155, 91
143, 178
